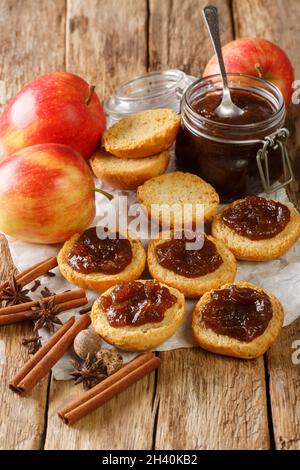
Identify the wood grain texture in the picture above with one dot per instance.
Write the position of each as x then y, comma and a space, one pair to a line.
125, 422
210, 402
106, 42
25, 52
178, 36
275, 20
28, 31
21, 419
284, 370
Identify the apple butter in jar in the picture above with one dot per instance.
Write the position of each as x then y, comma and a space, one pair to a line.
239, 156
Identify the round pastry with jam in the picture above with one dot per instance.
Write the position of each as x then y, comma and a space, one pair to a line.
193, 263
238, 320
257, 229
97, 259
138, 315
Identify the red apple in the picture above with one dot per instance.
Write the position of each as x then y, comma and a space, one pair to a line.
259, 57
54, 108
46, 194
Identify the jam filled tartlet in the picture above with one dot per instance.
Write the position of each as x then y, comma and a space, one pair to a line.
257, 229
239, 320
97, 260
138, 315
193, 263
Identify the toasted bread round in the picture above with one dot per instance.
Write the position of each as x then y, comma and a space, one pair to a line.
178, 189
97, 281
142, 134
128, 173
227, 346
143, 337
257, 250
197, 286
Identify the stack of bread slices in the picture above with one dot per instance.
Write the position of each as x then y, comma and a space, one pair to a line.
136, 148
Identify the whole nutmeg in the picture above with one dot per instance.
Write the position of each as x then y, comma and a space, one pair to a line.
87, 342
111, 359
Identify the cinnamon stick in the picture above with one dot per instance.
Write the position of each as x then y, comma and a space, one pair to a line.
32, 273
57, 298
15, 318
11, 318
41, 363
37, 270
26, 271
72, 304
108, 388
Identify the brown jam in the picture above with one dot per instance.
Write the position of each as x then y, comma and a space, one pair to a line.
255, 107
240, 313
137, 303
257, 218
223, 151
179, 256
91, 254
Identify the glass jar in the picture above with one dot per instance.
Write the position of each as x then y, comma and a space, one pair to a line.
149, 91
236, 159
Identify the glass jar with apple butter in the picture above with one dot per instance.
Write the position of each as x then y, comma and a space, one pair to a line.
238, 156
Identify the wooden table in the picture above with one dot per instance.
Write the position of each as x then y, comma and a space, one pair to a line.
196, 400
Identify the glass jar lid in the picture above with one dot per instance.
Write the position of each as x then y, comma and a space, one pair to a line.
149, 91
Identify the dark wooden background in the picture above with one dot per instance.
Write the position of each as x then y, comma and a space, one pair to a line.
196, 400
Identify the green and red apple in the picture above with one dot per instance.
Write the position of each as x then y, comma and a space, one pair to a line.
55, 108
258, 57
46, 194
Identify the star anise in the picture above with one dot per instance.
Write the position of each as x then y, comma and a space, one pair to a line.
90, 372
13, 293
32, 344
45, 315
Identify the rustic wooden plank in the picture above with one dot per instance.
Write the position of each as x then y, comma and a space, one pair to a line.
177, 34
24, 53
26, 45
284, 370
21, 419
210, 402
125, 422
280, 22
204, 401
106, 43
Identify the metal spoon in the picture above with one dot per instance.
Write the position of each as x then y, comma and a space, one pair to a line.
227, 108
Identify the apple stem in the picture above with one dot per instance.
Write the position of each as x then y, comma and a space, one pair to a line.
104, 193
90, 95
259, 70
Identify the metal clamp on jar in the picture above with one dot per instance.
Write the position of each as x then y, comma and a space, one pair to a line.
275, 141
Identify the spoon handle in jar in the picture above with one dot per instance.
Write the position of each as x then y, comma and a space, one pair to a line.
211, 17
